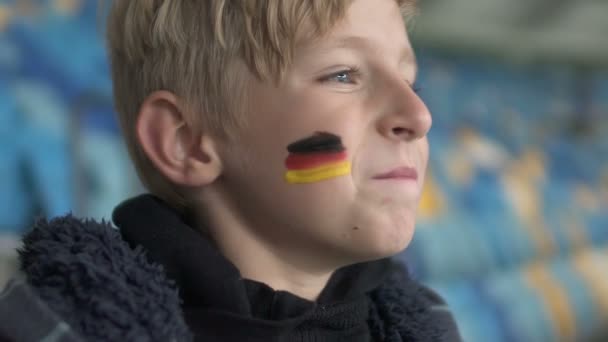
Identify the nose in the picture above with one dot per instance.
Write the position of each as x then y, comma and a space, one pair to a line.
405, 117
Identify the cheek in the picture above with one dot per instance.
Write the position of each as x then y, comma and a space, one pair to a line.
263, 173
424, 150
318, 157
423, 158
384, 227
318, 211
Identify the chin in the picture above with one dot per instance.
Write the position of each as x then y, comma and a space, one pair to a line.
382, 241
394, 242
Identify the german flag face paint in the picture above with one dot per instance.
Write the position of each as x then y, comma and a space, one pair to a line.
316, 158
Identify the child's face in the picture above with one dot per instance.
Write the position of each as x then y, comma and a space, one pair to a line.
356, 84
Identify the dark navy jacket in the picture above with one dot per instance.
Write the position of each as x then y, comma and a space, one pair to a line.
157, 279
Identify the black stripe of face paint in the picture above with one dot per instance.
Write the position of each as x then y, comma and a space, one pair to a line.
318, 142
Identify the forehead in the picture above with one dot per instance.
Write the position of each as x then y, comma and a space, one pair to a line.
375, 26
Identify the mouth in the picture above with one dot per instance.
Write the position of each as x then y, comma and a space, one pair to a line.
400, 173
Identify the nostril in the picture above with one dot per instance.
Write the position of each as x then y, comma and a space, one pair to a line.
399, 131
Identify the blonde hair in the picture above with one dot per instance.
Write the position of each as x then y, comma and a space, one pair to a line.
194, 49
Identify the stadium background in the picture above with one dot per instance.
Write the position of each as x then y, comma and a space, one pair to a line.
513, 227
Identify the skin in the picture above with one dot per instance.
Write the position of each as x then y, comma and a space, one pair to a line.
293, 236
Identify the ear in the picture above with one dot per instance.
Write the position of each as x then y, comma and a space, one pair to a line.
184, 156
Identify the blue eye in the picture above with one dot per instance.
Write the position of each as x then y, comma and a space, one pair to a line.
343, 76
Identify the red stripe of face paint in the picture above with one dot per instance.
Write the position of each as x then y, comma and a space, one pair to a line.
302, 161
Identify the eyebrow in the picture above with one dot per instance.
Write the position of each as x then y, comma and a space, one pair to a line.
350, 42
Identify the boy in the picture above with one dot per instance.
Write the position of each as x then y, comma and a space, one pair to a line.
285, 148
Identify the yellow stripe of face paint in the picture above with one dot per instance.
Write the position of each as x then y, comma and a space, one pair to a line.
319, 173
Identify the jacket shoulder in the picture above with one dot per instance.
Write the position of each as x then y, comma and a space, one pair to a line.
104, 289
405, 310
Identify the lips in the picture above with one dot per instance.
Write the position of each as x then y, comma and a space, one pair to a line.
404, 173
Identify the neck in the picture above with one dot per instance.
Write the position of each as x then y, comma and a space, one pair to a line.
262, 264
279, 265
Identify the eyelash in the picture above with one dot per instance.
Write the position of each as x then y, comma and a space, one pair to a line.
354, 72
